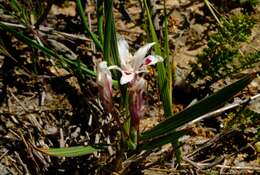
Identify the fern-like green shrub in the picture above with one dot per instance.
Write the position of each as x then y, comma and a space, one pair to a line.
222, 57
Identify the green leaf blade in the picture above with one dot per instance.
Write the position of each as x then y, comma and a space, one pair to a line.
202, 107
69, 152
92, 35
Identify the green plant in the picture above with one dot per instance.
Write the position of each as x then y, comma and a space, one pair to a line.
244, 120
130, 83
29, 13
222, 57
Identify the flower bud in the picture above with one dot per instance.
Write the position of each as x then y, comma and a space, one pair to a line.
136, 101
104, 82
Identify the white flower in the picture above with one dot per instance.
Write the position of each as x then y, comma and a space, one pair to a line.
131, 65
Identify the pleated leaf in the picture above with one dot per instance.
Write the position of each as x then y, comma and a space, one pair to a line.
162, 78
68, 152
204, 106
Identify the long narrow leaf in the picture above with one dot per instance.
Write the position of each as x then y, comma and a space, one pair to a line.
100, 19
168, 63
108, 31
85, 24
202, 107
45, 50
68, 152
74, 64
163, 83
111, 54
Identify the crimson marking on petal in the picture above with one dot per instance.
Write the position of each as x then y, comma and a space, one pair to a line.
147, 61
128, 73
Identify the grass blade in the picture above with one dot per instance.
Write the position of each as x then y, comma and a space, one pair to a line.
100, 19
85, 24
68, 152
202, 107
111, 54
163, 83
47, 51
110, 39
168, 61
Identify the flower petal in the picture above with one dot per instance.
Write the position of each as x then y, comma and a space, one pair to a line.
152, 59
140, 54
126, 78
123, 50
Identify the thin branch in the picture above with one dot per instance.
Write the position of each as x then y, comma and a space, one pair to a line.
212, 11
194, 164
233, 167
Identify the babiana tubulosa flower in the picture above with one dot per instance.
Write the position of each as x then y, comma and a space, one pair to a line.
130, 67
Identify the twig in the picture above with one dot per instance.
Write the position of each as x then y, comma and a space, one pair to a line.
228, 167
221, 110
212, 11
14, 133
13, 25
22, 163
222, 169
191, 162
213, 164
17, 100
32, 118
201, 166
4, 154
233, 167
212, 141
13, 162
62, 143
166, 170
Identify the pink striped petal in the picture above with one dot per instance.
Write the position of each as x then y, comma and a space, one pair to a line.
126, 77
152, 59
123, 52
139, 55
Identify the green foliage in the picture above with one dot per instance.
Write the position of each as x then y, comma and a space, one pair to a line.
250, 2
211, 172
86, 27
163, 69
202, 107
244, 120
74, 151
222, 50
66, 62
222, 56
247, 61
29, 12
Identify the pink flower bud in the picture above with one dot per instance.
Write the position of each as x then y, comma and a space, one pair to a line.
104, 82
136, 101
